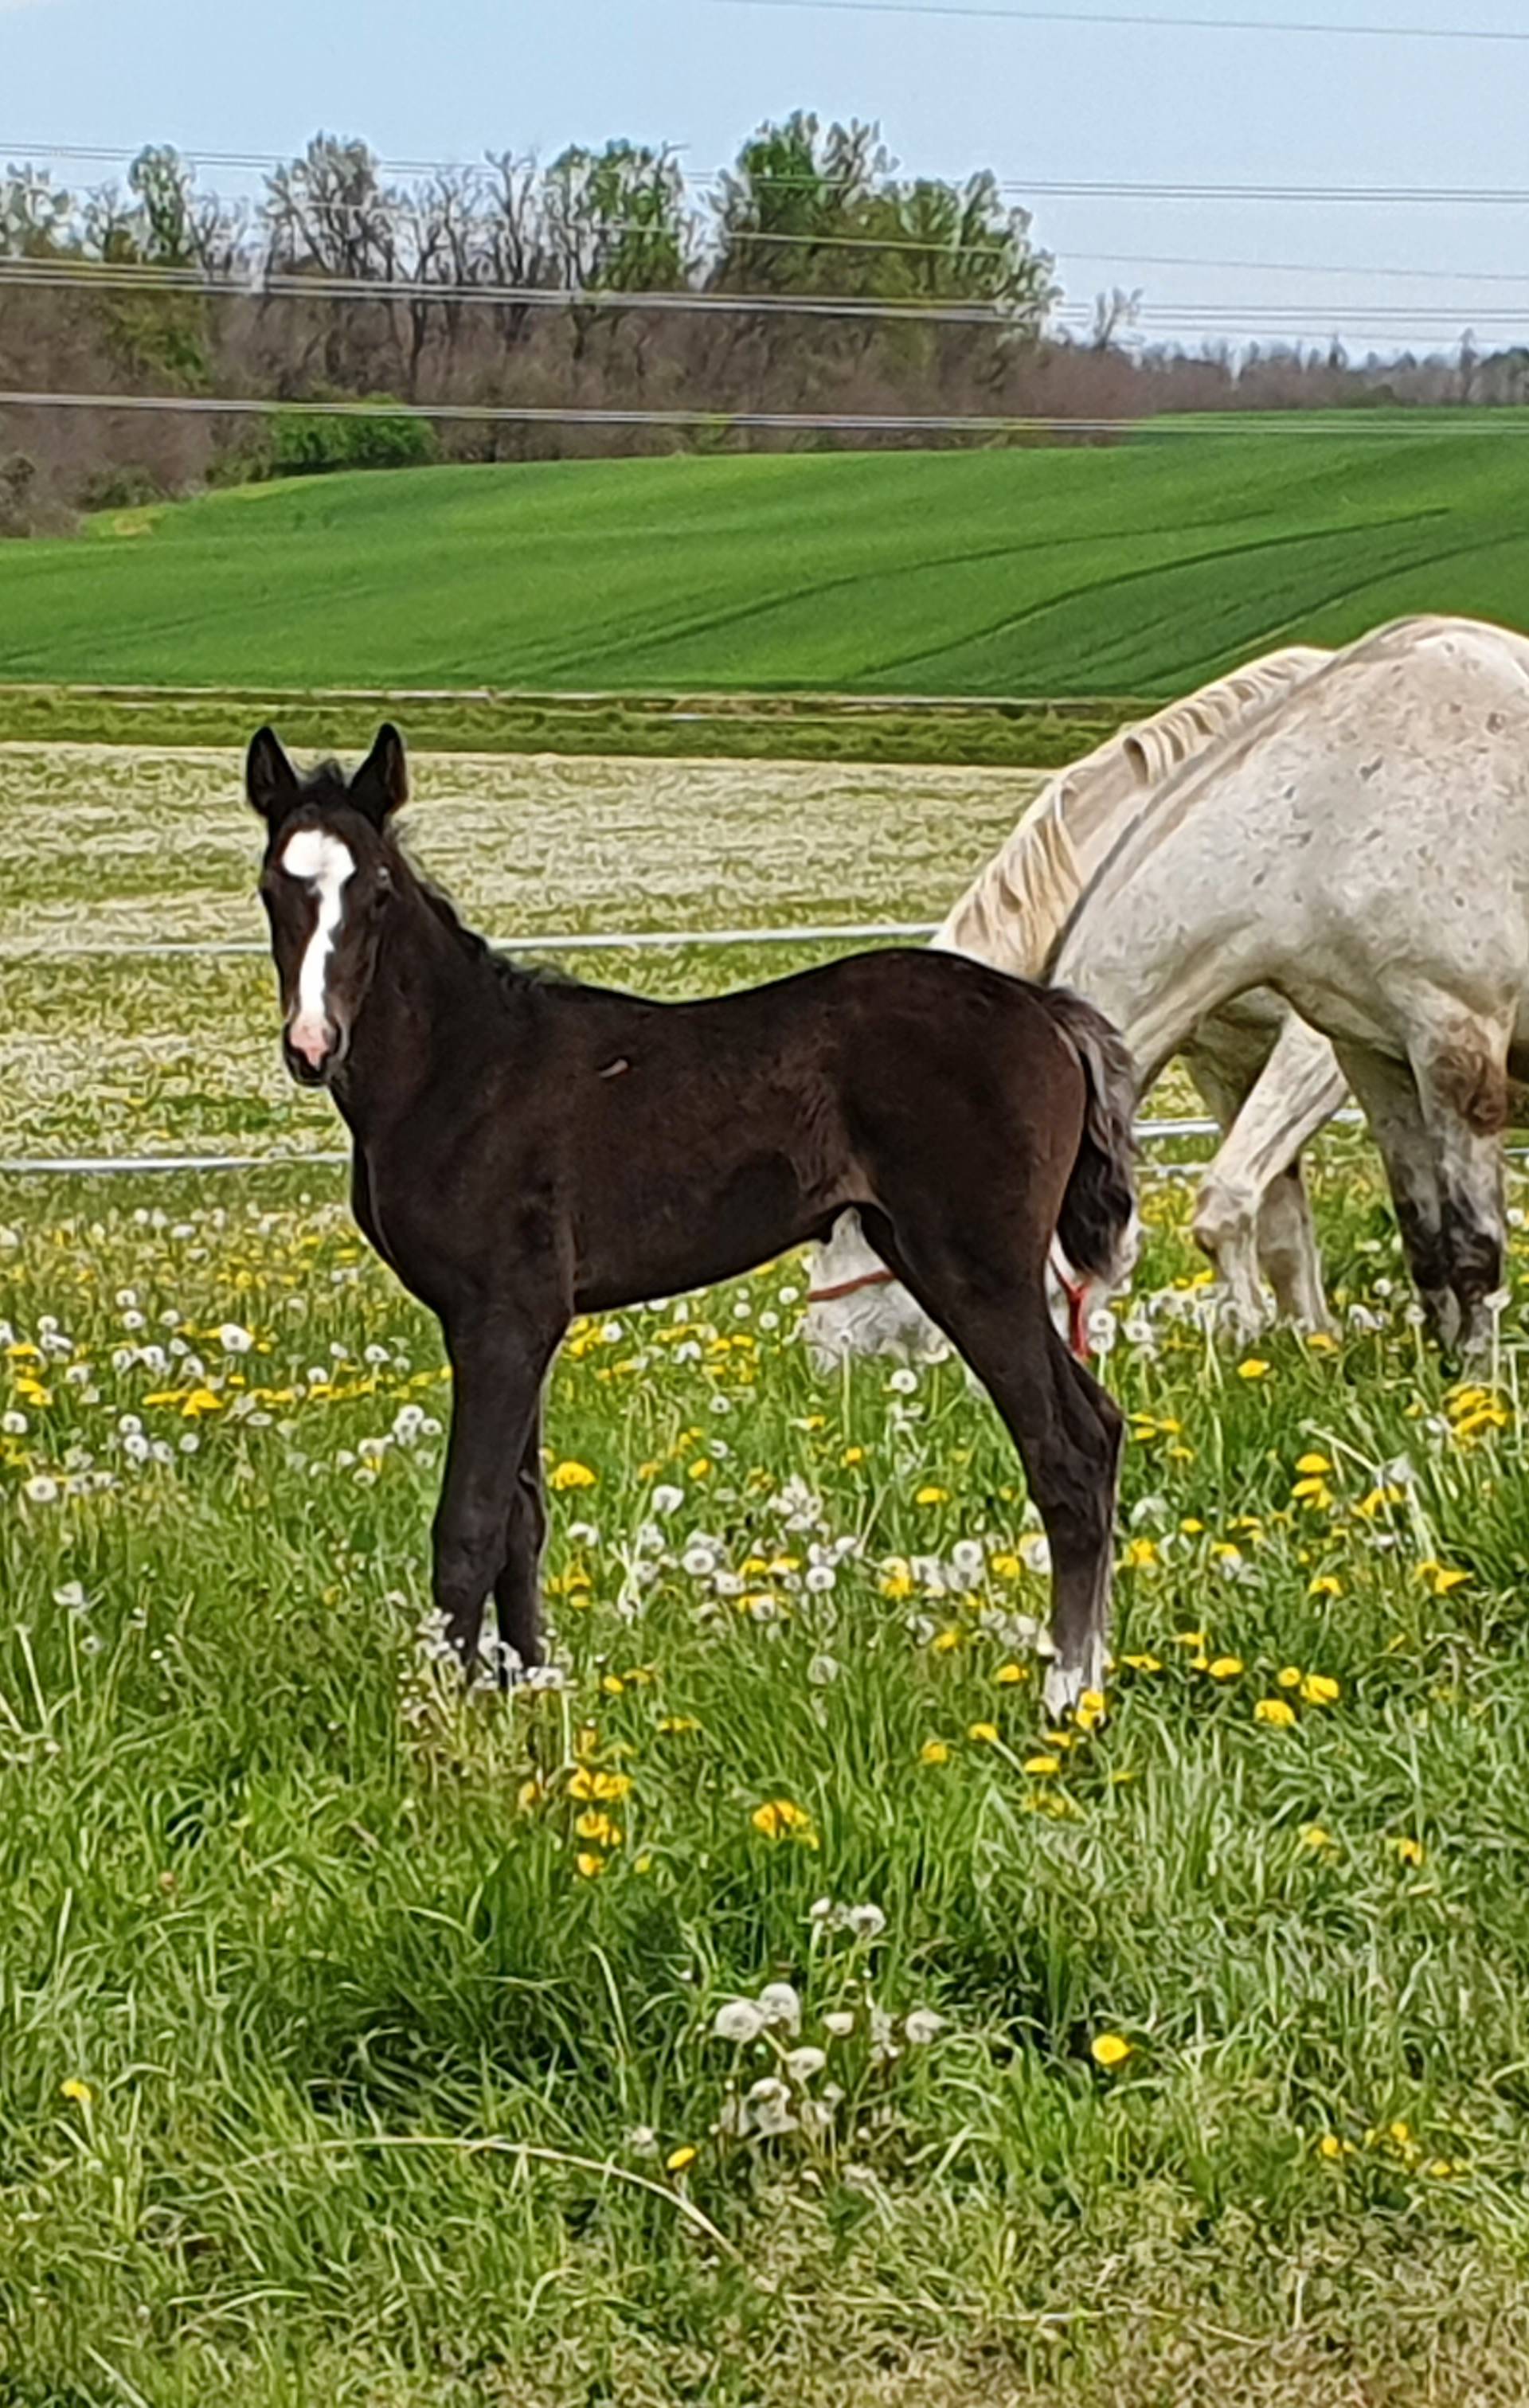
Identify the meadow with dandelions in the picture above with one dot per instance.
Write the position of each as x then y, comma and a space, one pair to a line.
767, 2004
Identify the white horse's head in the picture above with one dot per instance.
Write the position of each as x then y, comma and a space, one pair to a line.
856, 1307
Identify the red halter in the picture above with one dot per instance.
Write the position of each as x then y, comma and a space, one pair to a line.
1076, 1292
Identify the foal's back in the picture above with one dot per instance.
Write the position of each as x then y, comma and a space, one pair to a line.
679, 1143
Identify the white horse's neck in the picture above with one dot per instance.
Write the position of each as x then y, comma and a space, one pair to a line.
1014, 912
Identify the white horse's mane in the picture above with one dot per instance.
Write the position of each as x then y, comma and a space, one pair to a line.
1015, 907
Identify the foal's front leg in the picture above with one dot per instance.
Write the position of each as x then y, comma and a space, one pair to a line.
517, 1588
497, 1370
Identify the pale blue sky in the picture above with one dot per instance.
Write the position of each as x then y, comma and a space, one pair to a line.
1027, 100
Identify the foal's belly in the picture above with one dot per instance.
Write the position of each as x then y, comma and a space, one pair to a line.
639, 1243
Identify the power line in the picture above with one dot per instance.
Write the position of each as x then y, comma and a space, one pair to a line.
126, 276
1069, 187
1317, 320
1297, 267
1346, 425
1153, 23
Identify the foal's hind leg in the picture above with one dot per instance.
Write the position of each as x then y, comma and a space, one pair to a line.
1068, 1429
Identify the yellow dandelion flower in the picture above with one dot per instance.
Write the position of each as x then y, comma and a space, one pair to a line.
1313, 1836
590, 1867
1320, 1343
945, 1640
1290, 1676
611, 1785
1110, 2049
932, 1496
1446, 1578
1042, 1765
677, 2159
986, 1733
570, 1475
529, 1793
1006, 1568
671, 1724
1254, 1369
1325, 1584
595, 1824
701, 1468
1141, 1552
896, 1581
1142, 1663
852, 1455
1191, 1527
1275, 1712
935, 1750
1408, 1851
1189, 1639
1008, 1676
779, 1818
612, 1685
1317, 1689
1225, 1668
1331, 2147
1312, 1466
79, 2092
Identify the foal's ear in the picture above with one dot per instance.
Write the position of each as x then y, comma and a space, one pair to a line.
269, 778
381, 782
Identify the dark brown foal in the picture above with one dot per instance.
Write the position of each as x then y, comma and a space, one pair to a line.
527, 1149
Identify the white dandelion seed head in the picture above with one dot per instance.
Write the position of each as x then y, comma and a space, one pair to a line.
739, 2020
866, 1922
923, 2026
781, 2006
803, 2063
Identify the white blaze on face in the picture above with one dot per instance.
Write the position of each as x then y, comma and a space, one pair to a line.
325, 864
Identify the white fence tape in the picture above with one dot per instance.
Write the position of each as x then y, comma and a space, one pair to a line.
582, 941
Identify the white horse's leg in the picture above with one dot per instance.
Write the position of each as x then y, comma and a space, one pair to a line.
1460, 1063
1246, 1199
1389, 1094
1227, 1231
1287, 1248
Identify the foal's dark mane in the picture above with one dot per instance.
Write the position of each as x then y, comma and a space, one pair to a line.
327, 784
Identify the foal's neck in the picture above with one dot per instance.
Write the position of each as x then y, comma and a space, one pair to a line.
430, 1003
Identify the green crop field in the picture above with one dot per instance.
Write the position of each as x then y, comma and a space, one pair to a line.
1138, 568
777, 2014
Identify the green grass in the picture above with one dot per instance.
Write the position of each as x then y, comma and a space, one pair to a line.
1138, 568
330, 2074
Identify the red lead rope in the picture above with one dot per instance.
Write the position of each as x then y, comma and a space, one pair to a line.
1076, 1292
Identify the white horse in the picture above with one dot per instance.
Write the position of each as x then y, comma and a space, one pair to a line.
1259, 1069
1363, 850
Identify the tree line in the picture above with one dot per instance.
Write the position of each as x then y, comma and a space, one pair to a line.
813, 277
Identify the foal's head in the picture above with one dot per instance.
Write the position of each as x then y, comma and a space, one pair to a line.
325, 882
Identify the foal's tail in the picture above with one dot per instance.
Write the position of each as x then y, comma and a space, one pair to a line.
1099, 1209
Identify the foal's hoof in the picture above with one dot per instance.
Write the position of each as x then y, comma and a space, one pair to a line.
1068, 1684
